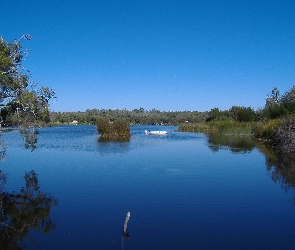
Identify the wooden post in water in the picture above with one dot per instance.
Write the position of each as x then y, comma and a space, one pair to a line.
126, 235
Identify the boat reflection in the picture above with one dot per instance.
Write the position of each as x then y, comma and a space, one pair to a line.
23, 211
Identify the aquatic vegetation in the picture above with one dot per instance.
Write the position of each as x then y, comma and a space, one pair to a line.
227, 127
114, 129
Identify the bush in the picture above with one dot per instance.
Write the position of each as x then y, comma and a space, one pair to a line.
266, 130
118, 128
275, 111
242, 114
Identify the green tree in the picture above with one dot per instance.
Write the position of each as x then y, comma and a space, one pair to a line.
276, 105
273, 98
242, 114
214, 114
288, 100
19, 100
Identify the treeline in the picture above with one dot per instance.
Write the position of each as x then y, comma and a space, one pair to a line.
135, 116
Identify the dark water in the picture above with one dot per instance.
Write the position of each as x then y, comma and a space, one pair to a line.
183, 191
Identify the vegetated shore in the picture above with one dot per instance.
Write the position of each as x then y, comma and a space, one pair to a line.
280, 133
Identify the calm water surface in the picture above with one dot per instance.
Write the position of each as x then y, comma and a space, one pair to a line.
183, 190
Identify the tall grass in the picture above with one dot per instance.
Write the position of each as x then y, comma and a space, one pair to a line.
226, 127
194, 127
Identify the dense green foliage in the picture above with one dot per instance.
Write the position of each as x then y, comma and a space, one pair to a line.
21, 103
236, 113
280, 105
266, 129
117, 128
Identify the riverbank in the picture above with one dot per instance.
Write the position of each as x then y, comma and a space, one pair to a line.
280, 133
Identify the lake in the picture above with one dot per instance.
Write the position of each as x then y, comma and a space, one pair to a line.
183, 191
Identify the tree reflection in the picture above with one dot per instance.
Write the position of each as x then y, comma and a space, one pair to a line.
114, 139
113, 145
30, 137
2, 148
29, 209
236, 144
280, 166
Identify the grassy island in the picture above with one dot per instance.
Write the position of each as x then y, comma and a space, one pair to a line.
113, 129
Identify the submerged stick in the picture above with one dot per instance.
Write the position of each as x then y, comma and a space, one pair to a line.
126, 234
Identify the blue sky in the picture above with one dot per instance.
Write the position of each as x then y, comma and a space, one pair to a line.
168, 55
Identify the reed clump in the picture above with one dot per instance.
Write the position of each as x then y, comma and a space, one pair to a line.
113, 129
230, 127
194, 127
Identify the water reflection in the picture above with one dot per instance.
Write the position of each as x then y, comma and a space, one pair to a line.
23, 211
2, 148
107, 145
30, 137
280, 166
114, 139
235, 144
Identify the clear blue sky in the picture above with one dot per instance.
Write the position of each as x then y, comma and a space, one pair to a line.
167, 55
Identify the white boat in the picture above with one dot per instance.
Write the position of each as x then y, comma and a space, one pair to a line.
149, 132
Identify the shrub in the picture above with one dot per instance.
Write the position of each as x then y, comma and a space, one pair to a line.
117, 128
265, 130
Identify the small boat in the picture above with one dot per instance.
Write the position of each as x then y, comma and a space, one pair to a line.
149, 132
